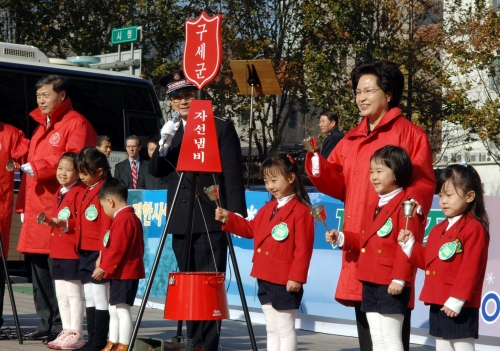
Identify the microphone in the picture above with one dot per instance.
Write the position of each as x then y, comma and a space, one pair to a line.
176, 116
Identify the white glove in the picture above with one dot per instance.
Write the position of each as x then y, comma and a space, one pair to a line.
22, 217
167, 134
26, 168
315, 164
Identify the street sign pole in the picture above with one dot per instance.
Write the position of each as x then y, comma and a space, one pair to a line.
132, 69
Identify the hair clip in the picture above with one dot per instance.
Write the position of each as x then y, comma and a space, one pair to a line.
290, 158
464, 163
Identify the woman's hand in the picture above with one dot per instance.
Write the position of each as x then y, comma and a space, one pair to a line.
293, 286
332, 236
395, 289
221, 215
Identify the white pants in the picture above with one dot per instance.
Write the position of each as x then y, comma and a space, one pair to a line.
455, 344
386, 331
70, 302
120, 323
97, 295
280, 326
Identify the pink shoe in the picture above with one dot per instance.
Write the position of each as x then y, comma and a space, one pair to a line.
57, 342
73, 340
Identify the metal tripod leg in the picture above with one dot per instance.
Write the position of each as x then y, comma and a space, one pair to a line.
240, 285
11, 293
155, 265
187, 246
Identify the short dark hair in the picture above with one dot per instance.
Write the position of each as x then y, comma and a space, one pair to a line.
71, 156
133, 137
389, 78
332, 116
101, 138
113, 187
59, 83
154, 141
398, 160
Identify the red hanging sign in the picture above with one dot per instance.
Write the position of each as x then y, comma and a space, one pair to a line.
200, 149
203, 49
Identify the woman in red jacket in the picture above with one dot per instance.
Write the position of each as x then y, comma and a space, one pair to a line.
377, 87
283, 234
454, 259
383, 269
64, 254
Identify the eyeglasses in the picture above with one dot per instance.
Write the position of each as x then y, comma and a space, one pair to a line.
185, 96
367, 91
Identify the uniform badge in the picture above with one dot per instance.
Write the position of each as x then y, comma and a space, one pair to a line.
105, 240
386, 228
177, 76
280, 232
65, 213
447, 250
458, 243
91, 213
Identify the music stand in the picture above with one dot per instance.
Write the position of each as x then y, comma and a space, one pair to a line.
260, 76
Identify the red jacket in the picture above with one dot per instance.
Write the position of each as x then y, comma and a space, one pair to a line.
63, 244
278, 261
68, 131
381, 259
346, 176
90, 233
462, 275
123, 256
13, 145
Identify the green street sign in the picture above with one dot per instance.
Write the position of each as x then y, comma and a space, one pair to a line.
125, 35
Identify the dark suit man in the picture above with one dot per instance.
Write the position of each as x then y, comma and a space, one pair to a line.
232, 195
146, 180
328, 124
124, 169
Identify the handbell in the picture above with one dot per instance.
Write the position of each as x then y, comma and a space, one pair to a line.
43, 219
12, 166
213, 193
310, 144
408, 210
319, 213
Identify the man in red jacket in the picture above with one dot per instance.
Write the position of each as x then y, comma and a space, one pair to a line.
61, 129
13, 146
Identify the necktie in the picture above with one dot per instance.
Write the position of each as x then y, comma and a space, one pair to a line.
134, 175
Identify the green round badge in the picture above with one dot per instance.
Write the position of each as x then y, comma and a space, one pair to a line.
386, 228
280, 232
105, 240
91, 213
64, 213
447, 250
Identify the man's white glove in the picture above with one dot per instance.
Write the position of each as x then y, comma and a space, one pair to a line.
26, 168
22, 217
167, 133
315, 164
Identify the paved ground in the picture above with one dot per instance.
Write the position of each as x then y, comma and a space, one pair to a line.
234, 333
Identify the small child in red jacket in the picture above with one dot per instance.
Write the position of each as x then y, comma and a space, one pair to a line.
454, 259
283, 234
64, 254
383, 269
121, 261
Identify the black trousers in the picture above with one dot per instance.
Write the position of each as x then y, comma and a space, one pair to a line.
364, 337
201, 259
44, 294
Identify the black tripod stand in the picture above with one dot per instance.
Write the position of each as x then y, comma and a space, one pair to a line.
11, 293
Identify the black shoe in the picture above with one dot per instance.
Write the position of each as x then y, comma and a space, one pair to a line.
51, 337
35, 335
